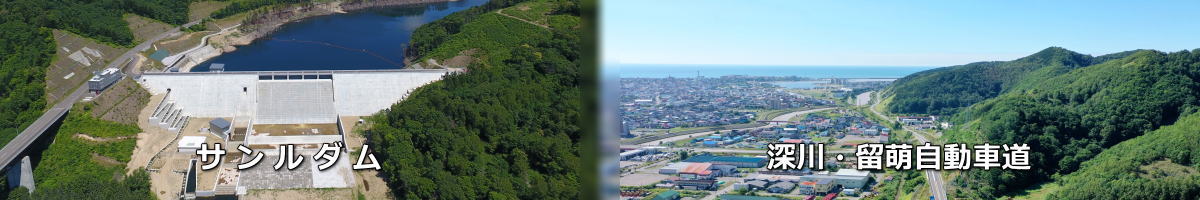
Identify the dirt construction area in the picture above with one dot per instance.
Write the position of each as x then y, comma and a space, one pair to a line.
74, 61
157, 150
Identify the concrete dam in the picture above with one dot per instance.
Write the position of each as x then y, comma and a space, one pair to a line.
276, 97
266, 110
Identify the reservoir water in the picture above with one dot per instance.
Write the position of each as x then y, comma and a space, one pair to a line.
372, 38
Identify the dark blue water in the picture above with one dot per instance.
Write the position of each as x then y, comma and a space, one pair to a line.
372, 38
663, 71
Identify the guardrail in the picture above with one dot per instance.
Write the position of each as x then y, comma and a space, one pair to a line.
13, 149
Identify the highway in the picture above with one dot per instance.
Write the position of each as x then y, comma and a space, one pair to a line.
783, 117
863, 99
787, 117
849, 152
13, 149
937, 186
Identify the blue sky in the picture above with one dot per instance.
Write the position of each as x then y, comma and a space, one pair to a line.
910, 33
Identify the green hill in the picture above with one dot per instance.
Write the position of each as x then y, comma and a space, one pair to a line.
28, 45
1159, 165
76, 168
1069, 118
945, 91
23, 62
506, 129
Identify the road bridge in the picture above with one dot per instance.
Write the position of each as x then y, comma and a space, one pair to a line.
18, 147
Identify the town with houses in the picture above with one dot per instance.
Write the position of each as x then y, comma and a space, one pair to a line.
664, 103
709, 159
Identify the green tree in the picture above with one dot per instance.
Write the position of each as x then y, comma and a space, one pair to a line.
506, 129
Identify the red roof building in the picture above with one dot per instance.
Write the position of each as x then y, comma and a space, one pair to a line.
698, 169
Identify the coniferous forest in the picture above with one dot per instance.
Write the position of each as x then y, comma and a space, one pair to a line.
1069, 108
508, 128
28, 47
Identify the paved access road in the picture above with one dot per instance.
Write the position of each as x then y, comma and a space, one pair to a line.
937, 186
863, 99
725, 188
789, 116
759, 151
14, 148
203, 42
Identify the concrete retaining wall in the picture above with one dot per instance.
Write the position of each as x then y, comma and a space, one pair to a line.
207, 95
362, 94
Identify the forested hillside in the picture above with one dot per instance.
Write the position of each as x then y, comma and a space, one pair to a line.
26, 53
100, 20
1070, 118
77, 168
944, 91
441, 38
507, 128
1158, 165
70, 168
28, 45
240, 6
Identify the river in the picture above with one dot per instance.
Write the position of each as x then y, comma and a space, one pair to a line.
373, 38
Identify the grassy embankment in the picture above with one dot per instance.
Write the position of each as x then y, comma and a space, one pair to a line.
74, 167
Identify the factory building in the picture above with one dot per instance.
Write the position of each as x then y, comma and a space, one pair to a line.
741, 162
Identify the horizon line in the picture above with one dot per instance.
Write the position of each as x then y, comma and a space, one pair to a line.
771, 65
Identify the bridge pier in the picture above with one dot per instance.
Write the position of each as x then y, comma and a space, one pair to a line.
21, 174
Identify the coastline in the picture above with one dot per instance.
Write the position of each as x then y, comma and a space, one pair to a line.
259, 25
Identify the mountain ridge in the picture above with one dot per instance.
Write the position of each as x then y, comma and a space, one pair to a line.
1066, 111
